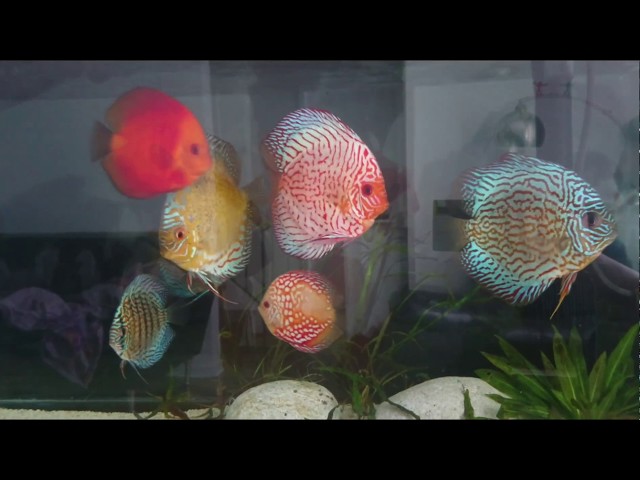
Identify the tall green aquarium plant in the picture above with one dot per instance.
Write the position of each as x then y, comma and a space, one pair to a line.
565, 389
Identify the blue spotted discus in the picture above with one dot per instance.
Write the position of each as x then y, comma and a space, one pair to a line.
206, 227
140, 333
531, 222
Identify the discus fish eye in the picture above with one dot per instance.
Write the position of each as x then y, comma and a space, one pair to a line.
591, 220
265, 304
367, 189
195, 149
181, 233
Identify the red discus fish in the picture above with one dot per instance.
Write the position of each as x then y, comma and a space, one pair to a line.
299, 308
329, 186
153, 144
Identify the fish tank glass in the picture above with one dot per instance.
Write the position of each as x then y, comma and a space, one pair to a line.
319, 239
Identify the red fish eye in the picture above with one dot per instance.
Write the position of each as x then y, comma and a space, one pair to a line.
180, 233
367, 189
591, 220
195, 149
265, 304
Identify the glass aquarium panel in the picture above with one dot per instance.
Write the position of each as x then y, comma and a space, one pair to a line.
319, 239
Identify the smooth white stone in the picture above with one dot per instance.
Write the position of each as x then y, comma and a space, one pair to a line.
283, 399
441, 398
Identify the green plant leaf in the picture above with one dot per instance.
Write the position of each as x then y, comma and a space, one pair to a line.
519, 360
526, 381
596, 378
562, 405
629, 394
630, 408
564, 390
621, 355
577, 357
469, 412
566, 369
516, 409
550, 371
603, 409
627, 402
356, 400
500, 382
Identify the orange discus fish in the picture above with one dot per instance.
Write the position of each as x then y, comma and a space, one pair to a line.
153, 144
206, 229
299, 308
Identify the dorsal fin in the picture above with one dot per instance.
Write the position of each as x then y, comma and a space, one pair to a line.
283, 144
225, 152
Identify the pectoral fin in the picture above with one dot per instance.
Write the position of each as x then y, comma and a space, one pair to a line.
567, 281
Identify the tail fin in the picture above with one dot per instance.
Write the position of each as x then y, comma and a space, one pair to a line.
259, 195
226, 153
100, 141
449, 217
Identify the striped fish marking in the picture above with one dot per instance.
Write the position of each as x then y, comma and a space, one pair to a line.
299, 308
531, 222
330, 188
206, 228
140, 332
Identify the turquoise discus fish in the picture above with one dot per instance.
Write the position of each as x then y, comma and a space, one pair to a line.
531, 221
329, 189
140, 333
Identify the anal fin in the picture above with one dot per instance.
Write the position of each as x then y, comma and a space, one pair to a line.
500, 281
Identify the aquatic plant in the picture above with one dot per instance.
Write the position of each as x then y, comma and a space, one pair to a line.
565, 389
361, 374
170, 403
369, 380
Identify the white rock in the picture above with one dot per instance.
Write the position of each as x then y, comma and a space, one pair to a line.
344, 412
11, 414
441, 398
283, 399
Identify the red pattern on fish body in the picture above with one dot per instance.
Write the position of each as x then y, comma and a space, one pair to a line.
298, 308
330, 188
157, 145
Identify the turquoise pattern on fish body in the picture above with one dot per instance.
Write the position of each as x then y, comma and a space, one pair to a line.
177, 280
531, 222
140, 332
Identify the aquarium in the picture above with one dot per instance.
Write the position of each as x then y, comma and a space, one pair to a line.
319, 239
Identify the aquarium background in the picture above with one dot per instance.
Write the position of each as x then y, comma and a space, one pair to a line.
70, 242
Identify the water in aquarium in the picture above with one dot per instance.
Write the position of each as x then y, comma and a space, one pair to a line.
319, 239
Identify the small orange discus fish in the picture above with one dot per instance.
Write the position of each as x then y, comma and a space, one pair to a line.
299, 308
152, 145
